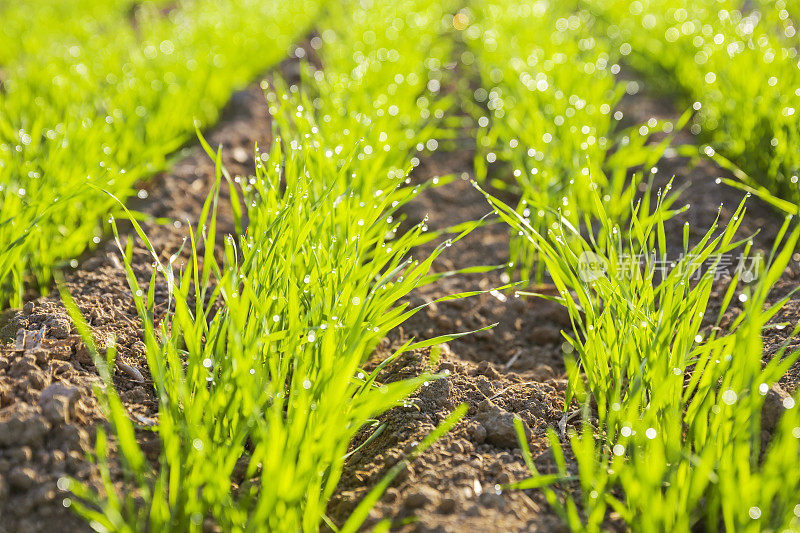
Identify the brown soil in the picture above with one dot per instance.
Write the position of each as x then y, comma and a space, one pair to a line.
48, 411
456, 484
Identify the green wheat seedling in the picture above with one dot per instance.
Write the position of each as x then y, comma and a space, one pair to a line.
671, 431
103, 105
722, 59
547, 110
56, 23
259, 364
378, 98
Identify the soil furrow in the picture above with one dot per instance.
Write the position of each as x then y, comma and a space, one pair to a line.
513, 369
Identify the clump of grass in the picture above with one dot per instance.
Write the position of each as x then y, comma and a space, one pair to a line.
257, 369
58, 23
258, 365
378, 98
86, 106
546, 109
671, 434
722, 58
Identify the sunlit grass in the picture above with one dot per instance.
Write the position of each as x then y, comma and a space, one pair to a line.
671, 436
546, 112
104, 105
259, 361
736, 66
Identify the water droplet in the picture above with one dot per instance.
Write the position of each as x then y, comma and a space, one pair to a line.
729, 397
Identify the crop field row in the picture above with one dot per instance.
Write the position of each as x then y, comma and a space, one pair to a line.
300, 334
719, 57
88, 108
308, 292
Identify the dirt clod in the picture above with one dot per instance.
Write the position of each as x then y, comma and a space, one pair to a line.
773, 407
422, 496
21, 478
499, 425
58, 327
